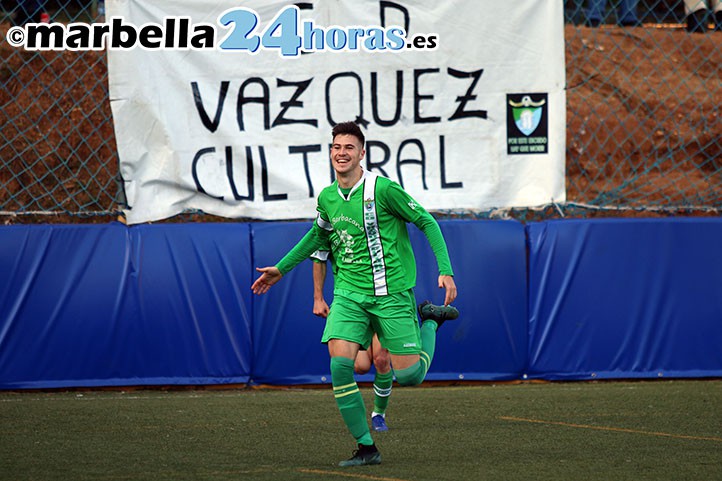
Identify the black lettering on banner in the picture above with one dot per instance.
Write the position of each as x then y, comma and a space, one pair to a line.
263, 100
330, 80
460, 113
370, 163
249, 173
264, 179
305, 150
211, 125
421, 161
330, 163
194, 171
384, 4
301, 87
375, 99
229, 173
442, 167
419, 97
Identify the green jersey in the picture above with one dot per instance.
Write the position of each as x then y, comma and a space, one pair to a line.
370, 246
323, 254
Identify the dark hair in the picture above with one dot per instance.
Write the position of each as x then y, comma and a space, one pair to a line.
349, 128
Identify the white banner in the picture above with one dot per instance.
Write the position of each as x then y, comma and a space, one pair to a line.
462, 102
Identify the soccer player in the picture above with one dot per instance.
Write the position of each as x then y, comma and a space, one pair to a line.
376, 273
375, 354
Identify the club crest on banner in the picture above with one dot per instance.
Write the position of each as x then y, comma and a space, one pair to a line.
527, 124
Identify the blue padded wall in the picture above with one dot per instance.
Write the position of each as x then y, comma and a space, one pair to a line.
63, 314
286, 334
111, 305
489, 340
618, 298
194, 303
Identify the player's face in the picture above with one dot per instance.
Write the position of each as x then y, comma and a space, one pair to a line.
346, 153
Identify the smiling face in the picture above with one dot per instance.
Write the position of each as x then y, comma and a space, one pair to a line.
346, 155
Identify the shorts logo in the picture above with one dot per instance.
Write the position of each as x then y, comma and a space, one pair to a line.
527, 128
410, 344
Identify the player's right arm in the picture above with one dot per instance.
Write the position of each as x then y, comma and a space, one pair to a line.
269, 276
316, 237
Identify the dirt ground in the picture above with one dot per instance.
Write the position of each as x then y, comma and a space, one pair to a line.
644, 125
644, 129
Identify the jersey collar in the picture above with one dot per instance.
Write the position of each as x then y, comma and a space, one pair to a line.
358, 184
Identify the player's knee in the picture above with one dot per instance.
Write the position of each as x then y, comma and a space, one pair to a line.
362, 364
359, 368
382, 361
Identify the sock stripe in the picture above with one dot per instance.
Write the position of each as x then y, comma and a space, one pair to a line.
341, 388
383, 392
425, 358
344, 394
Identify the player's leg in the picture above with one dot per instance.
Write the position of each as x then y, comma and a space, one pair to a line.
412, 348
383, 380
345, 389
363, 361
348, 329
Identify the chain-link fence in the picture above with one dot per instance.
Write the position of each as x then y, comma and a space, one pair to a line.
644, 126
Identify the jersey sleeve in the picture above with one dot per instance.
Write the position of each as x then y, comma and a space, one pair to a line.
316, 237
401, 204
322, 253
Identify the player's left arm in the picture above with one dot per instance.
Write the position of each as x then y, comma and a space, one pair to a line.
320, 307
406, 207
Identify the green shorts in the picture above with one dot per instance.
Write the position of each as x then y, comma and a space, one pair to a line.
355, 317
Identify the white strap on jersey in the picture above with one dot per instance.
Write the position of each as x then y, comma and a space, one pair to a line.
373, 237
323, 224
320, 255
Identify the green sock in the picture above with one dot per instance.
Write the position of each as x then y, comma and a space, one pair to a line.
382, 391
349, 399
428, 343
414, 375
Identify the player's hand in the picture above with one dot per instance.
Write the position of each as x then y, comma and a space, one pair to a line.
447, 282
269, 276
320, 308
